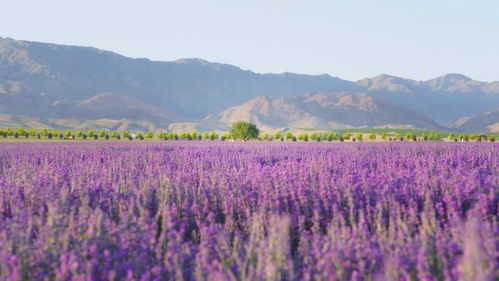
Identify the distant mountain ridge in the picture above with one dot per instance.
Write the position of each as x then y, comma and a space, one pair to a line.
50, 84
322, 111
487, 121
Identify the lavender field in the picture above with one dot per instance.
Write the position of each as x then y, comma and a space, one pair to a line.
249, 211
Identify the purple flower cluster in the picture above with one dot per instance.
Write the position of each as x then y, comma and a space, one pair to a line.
249, 211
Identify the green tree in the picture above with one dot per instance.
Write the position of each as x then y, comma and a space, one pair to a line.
10, 132
90, 134
213, 136
332, 136
102, 133
303, 137
424, 136
358, 136
265, 136
346, 136
434, 136
372, 136
67, 133
21, 131
244, 130
114, 134
79, 133
409, 135
289, 136
149, 135
383, 136
277, 135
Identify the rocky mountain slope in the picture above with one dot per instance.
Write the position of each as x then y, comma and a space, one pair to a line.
444, 99
68, 86
487, 121
323, 111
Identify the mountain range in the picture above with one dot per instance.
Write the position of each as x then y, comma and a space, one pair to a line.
63, 86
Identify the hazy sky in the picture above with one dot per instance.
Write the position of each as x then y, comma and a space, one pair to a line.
352, 39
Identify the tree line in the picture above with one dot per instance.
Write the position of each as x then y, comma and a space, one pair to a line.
239, 131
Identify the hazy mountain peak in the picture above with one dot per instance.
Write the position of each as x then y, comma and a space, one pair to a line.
455, 82
487, 121
321, 110
191, 61
51, 81
385, 82
455, 77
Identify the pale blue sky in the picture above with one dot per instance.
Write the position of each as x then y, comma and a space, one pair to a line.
352, 39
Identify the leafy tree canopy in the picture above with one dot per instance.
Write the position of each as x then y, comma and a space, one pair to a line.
244, 130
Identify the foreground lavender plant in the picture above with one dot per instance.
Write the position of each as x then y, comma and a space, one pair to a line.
227, 211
